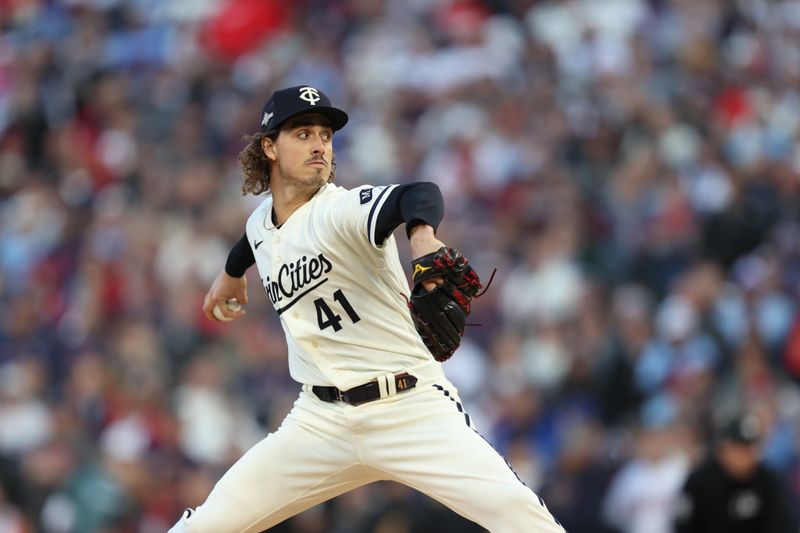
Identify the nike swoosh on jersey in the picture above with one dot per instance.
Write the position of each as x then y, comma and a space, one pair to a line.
256, 245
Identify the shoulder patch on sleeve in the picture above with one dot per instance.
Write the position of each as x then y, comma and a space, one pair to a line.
366, 195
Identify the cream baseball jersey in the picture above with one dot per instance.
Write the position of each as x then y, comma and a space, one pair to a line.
340, 294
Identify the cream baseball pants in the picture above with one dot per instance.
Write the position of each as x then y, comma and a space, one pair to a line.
421, 438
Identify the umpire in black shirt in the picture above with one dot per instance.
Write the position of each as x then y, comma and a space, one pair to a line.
733, 491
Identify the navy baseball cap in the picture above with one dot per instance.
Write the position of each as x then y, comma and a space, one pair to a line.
743, 429
286, 103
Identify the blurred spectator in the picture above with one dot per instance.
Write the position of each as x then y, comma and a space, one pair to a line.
643, 493
614, 382
732, 490
25, 420
584, 471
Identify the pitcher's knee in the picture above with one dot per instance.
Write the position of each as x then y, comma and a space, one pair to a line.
524, 502
522, 511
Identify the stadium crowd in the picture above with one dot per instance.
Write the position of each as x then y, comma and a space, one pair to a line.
630, 167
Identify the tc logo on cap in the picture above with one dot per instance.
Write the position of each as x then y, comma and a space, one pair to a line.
286, 103
310, 95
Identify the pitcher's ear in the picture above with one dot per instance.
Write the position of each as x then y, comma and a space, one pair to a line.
268, 146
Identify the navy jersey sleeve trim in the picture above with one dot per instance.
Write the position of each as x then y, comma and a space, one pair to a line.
412, 203
375, 213
240, 258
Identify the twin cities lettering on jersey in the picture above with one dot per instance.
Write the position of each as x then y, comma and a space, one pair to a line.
292, 277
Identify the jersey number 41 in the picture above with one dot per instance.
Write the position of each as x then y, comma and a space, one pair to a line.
327, 318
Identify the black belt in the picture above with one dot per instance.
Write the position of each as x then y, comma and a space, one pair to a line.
363, 393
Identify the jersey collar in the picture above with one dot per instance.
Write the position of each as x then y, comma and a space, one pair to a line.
269, 225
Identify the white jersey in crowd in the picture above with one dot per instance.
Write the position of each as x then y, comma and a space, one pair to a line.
340, 295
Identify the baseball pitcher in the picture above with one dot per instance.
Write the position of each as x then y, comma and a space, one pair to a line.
374, 402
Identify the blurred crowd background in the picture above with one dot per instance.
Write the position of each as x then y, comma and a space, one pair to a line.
630, 167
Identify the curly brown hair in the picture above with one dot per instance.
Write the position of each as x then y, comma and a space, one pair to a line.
256, 165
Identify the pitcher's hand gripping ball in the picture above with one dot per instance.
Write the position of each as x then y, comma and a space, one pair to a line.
232, 304
440, 315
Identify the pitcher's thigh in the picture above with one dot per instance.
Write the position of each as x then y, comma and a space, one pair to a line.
477, 482
289, 471
445, 458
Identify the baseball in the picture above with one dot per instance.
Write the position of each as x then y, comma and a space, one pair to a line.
233, 305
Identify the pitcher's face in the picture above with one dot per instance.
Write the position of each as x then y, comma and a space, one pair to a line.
303, 150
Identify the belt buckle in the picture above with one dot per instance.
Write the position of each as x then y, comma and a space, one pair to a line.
340, 395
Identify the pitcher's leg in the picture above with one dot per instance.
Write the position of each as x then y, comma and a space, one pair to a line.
308, 460
430, 446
